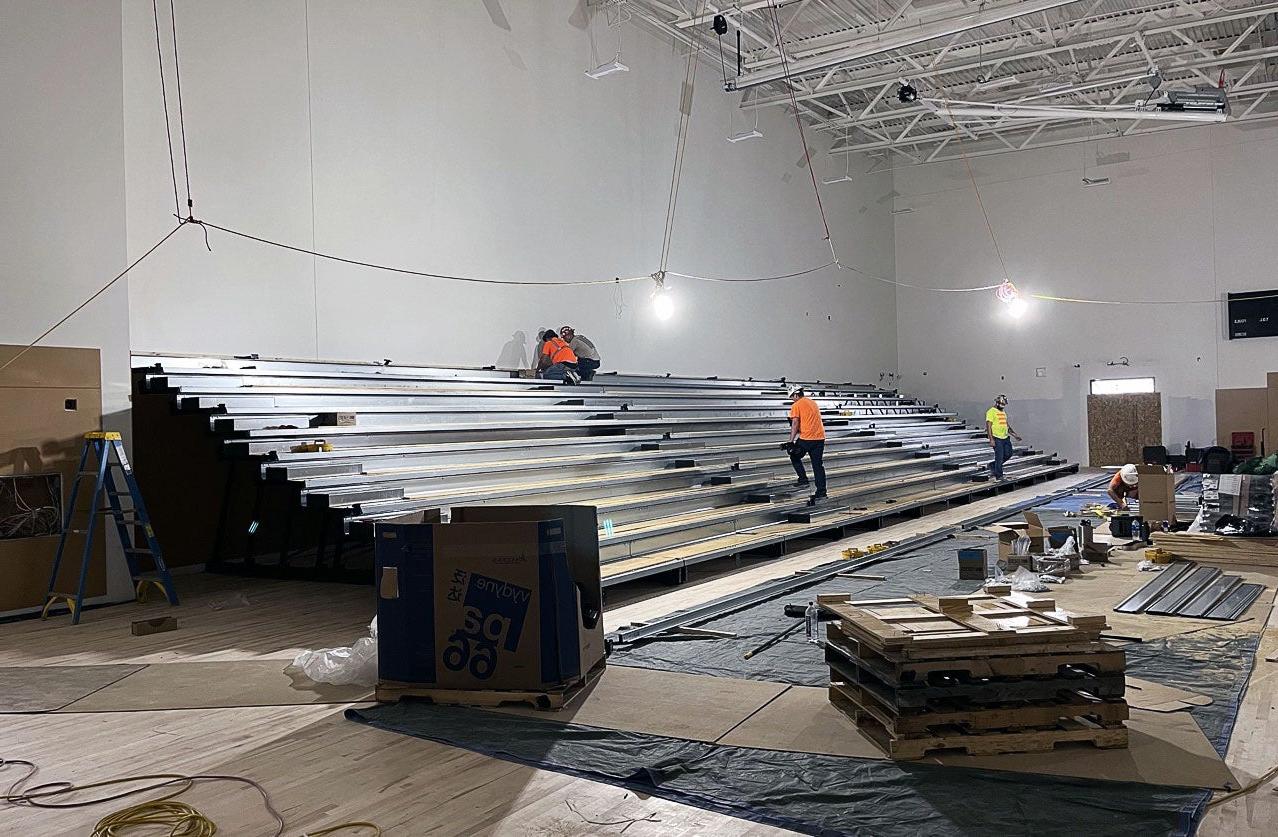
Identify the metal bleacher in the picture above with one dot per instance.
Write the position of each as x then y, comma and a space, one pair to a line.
282, 466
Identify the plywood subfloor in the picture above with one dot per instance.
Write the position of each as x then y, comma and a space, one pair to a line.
322, 769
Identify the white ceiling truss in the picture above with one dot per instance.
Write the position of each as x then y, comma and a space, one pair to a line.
844, 61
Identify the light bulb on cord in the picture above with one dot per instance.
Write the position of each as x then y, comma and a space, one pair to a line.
1008, 294
662, 303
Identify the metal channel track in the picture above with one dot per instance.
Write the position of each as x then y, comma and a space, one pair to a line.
1187, 589
763, 593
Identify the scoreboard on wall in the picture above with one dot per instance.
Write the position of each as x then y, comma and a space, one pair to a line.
1253, 314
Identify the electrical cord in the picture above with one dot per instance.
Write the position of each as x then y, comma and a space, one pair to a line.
183, 819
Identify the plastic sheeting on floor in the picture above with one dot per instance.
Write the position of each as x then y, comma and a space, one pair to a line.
811, 794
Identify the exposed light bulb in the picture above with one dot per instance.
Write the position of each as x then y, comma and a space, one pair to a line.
663, 305
1016, 308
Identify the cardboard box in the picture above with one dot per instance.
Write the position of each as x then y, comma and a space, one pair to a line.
973, 564
503, 597
1157, 493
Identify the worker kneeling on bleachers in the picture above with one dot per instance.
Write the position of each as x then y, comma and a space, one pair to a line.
556, 361
584, 348
807, 438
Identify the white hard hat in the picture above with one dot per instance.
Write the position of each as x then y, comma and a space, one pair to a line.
795, 390
1129, 475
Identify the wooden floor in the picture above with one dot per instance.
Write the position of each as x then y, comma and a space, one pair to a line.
321, 769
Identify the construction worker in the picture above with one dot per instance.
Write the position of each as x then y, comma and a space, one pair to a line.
584, 348
997, 431
807, 438
556, 361
1126, 483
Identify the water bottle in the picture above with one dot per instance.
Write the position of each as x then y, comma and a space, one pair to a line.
813, 618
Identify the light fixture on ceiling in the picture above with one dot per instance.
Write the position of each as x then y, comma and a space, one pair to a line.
662, 303
847, 165
995, 83
750, 133
1095, 181
903, 210
617, 15
608, 68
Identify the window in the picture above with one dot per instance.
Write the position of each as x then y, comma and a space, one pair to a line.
1121, 386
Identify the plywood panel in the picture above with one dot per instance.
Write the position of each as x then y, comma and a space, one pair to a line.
39, 434
1118, 426
1272, 410
1241, 410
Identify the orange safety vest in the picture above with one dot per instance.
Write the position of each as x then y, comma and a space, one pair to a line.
558, 351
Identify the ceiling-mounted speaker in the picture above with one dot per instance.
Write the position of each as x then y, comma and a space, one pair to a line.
720, 25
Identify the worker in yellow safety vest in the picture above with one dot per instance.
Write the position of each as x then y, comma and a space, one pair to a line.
997, 430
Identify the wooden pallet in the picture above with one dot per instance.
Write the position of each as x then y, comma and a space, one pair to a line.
1010, 716
917, 627
976, 692
390, 691
1098, 657
1220, 549
1064, 731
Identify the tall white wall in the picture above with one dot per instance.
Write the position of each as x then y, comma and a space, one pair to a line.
1190, 216
62, 190
465, 138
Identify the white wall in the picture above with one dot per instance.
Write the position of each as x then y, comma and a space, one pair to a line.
62, 190
465, 137
1188, 217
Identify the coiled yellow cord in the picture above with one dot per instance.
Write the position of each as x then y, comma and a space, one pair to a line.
182, 819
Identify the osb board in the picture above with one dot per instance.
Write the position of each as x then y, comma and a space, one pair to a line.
38, 435
690, 706
215, 685
1244, 410
1166, 748
51, 366
48, 688
1118, 426
1272, 407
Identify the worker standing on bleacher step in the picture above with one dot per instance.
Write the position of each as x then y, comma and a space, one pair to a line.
556, 361
997, 431
807, 438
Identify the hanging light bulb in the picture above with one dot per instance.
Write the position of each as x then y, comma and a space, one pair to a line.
662, 304
1016, 306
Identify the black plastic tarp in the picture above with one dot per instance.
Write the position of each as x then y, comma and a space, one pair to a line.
811, 794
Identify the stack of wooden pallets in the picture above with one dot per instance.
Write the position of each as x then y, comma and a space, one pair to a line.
1220, 549
986, 674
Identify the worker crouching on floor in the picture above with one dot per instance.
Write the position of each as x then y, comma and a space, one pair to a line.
584, 348
557, 361
807, 438
997, 430
1126, 483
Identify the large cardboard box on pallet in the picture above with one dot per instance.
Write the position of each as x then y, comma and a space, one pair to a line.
1157, 493
501, 598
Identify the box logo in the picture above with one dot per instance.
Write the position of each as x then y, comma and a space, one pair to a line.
493, 614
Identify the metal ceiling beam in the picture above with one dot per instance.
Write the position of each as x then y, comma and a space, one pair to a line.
966, 63
885, 42
1240, 87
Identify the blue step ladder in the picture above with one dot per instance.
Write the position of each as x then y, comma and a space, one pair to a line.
107, 451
